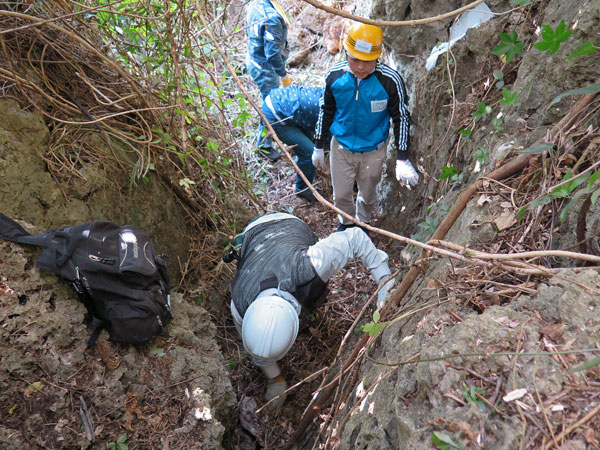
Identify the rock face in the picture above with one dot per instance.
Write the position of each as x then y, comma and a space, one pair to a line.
30, 194
441, 102
416, 400
174, 392
484, 400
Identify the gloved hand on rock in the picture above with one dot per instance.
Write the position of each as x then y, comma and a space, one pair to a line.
275, 388
382, 296
406, 173
318, 159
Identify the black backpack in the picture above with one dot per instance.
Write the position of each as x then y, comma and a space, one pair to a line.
122, 283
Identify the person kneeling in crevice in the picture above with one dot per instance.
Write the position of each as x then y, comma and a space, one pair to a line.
283, 268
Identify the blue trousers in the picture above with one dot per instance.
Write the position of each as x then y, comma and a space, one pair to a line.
266, 79
291, 135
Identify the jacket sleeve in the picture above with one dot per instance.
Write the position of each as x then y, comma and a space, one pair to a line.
274, 44
327, 107
330, 255
398, 110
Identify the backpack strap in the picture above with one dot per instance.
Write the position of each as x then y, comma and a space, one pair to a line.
98, 326
84, 297
12, 231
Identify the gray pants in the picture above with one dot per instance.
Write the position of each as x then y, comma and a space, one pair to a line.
365, 169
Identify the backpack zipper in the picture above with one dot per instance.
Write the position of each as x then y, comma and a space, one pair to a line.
95, 258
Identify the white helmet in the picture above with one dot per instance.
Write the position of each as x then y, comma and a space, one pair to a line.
269, 328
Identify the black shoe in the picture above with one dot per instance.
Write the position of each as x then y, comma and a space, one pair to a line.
269, 153
307, 195
342, 227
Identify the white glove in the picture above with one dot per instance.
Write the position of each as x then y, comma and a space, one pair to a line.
275, 388
406, 173
383, 292
318, 159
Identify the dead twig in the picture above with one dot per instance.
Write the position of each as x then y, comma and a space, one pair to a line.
392, 23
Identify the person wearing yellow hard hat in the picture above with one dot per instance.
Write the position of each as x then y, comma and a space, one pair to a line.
361, 96
268, 49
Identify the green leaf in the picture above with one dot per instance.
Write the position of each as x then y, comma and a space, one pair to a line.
576, 182
465, 133
547, 46
448, 172
519, 2
159, 352
553, 38
470, 395
375, 327
538, 148
444, 442
587, 48
586, 365
593, 179
483, 156
509, 98
539, 202
497, 123
36, 386
186, 182
376, 316
509, 45
572, 202
498, 74
122, 438
560, 192
482, 111
589, 89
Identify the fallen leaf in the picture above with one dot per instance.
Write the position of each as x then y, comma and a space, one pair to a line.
514, 395
590, 436
554, 332
316, 333
490, 298
466, 429
506, 220
433, 283
506, 322
483, 199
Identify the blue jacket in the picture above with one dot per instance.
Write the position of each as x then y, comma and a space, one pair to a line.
294, 105
267, 36
357, 112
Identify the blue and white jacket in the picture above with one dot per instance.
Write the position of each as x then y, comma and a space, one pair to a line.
294, 105
357, 112
267, 36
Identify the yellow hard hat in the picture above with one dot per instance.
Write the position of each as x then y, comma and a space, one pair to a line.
364, 41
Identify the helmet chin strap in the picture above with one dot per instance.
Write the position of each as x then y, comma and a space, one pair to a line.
279, 292
282, 294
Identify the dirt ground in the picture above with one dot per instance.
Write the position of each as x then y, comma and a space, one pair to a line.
320, 333
143, 395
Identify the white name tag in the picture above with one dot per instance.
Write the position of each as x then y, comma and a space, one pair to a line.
378, 105
363, 46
